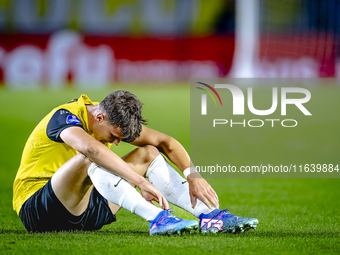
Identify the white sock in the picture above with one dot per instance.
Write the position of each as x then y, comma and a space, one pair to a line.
120, 192
173, 187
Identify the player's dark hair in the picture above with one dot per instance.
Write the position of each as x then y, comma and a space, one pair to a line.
124, 110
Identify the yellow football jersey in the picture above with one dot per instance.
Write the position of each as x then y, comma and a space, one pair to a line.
45, 152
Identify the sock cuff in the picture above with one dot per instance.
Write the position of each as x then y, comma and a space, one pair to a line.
154, 164
91, 169
189, 170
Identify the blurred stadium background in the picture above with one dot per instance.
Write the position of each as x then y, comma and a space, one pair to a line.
53, 50
97, 43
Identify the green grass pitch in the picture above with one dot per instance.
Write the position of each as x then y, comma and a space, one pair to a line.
296, 215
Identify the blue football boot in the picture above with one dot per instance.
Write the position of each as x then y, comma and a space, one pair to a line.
224, 222
167, 224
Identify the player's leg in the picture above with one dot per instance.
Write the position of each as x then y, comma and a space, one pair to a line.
139, 160
71, 184
173, 186
147, 161
66, 202
120, 192
176, 191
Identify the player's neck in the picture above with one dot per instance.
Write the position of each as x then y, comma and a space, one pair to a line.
91, 111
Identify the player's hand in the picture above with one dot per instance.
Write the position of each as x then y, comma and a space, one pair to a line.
201, 189
150, 193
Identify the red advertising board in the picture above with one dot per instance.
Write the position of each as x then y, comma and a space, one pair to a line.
32, 60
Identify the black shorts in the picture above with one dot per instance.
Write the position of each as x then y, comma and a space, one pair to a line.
43, 212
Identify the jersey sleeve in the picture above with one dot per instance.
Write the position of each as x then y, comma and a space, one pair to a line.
61, 120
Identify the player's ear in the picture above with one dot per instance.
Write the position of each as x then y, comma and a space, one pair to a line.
100, 117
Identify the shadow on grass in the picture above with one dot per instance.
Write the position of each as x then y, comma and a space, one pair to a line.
100, 232
260, 234
12, 232
251, 233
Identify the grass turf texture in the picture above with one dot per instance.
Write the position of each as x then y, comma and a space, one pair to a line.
295, 215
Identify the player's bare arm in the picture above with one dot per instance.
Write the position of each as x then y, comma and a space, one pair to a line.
78, 139
198, 187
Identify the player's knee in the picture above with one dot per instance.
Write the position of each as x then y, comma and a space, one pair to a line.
84, 161
149, 153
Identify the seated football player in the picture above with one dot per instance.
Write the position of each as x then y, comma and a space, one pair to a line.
70, 179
